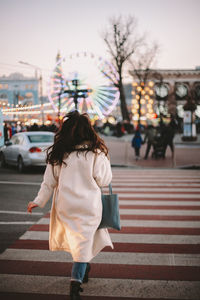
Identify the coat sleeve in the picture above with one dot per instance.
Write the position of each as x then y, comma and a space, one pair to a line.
48, 185
102, 170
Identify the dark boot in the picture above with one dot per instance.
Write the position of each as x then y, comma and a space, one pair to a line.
88, 268
75, 288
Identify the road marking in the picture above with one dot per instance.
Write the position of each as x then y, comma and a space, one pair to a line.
155, 189
17, 223
136, 288
130, 258
146, 223
19, 213
160, 196
127, 238
20, 182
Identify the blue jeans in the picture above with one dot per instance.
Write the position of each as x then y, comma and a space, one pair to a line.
78, 271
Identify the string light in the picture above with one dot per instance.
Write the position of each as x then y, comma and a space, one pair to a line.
22, 108
146, 90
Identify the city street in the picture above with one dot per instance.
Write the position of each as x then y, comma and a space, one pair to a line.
156, 254
116, 78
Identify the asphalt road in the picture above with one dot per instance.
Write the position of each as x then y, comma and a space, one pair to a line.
16, 190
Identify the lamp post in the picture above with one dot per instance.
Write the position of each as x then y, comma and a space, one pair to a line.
76, 92
40, 84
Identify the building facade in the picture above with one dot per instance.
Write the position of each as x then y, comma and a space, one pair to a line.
16, 90
175, 88
170, 91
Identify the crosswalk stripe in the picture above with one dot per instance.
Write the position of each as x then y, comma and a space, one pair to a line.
105, 257
127, 238
142, 223
139, 289
158, 196
137, 230
155, 189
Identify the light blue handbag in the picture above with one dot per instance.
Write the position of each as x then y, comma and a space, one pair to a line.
110, 213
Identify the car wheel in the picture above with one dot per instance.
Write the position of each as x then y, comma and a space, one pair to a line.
2, 160
20, 164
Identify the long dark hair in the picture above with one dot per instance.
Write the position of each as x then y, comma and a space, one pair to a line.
75, 130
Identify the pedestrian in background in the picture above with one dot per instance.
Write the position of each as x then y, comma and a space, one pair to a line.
137, 142
149, 138
168, 136
78, 166
6, 132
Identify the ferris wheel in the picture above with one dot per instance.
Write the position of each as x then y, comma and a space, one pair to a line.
84, 82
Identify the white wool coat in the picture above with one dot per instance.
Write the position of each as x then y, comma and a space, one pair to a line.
76, 207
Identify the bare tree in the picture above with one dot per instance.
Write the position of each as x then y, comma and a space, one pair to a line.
122, 41
141, 69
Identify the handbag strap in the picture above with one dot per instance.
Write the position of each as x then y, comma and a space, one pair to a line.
110, 189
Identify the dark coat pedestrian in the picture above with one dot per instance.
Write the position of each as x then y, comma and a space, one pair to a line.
6, 134
168, 136
149, 138
136, 143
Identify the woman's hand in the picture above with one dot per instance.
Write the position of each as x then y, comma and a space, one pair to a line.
30, 206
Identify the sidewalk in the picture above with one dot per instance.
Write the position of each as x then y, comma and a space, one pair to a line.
187, 154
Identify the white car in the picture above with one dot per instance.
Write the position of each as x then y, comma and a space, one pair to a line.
26, 149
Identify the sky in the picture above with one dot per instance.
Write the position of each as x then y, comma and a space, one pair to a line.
34, 30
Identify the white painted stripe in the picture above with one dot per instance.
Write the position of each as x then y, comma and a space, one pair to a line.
153, 189
20, 212
105, 257
17, 223
102, 287
160, 196
127, 238
156, 172
160, 212
120, 179
157, 202
156, 176
156, 179
144, 181
141, 181
163, 184
147, 223
20, 182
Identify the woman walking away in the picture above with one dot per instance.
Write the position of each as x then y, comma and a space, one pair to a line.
77, 167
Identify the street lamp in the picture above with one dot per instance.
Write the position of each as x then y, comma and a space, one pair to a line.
40, 84
74, 93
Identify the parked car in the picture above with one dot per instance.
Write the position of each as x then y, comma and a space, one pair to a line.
26, 149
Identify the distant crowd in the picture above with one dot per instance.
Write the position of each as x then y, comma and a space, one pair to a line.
155, 137
11, 128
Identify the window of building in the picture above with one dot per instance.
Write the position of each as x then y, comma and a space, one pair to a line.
181, 91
